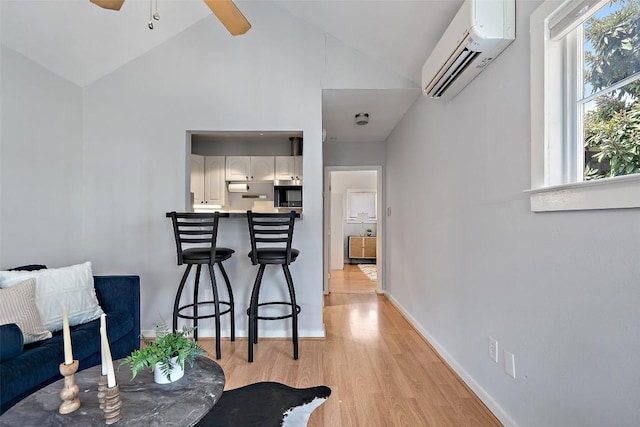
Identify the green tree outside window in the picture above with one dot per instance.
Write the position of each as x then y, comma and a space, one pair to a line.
612, 125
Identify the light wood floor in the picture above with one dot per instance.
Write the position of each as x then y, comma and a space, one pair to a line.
351, 280
380, 371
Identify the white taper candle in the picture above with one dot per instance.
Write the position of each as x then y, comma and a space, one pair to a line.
66, 336
103, 338
111, 375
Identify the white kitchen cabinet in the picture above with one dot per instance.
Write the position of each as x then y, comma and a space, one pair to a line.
207, 180
262, 168
214, 185
288, 167
298, 166
197, 178
238, 168
250, 168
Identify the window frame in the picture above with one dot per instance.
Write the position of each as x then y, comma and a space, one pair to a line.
552, 189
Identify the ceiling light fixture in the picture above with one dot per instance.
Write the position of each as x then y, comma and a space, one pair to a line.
362, 119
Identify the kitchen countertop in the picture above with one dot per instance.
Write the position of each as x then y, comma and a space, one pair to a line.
240, 213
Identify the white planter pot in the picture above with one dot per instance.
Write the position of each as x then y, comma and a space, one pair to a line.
175, 374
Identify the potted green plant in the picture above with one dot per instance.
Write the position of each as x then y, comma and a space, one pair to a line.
165, 355
369, 231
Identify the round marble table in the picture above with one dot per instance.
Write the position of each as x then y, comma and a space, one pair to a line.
144, 403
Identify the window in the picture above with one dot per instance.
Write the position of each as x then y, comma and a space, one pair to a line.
362, 206
585, 90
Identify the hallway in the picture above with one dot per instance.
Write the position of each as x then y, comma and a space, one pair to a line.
351, 280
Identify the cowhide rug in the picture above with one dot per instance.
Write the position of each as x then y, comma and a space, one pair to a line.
265, 404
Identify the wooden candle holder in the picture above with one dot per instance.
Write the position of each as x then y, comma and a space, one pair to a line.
70, 390
112, 405
102, 386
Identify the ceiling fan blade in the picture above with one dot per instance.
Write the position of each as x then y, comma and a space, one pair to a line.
108, 4
230, 16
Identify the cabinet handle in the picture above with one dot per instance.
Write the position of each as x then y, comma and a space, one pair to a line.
291, 177
247, 178
251, 176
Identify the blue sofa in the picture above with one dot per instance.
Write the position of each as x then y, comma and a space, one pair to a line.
25, 370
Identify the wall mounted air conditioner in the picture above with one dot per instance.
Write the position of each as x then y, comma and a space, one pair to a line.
480, 31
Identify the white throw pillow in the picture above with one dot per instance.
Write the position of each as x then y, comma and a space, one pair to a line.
17, 305
70, 287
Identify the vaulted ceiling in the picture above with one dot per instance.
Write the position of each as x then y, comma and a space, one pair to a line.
82, 42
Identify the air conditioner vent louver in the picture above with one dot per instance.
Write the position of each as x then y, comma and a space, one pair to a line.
479, 32
444, 82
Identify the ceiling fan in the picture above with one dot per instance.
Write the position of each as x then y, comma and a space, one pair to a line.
226, 11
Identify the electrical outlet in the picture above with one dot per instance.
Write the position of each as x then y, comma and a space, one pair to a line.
493, 349
509, 364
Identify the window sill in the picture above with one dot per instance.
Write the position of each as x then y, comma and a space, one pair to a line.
620, 192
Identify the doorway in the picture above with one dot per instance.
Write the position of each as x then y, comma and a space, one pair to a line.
353, 229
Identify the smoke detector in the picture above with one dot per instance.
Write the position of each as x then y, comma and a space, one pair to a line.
362, 119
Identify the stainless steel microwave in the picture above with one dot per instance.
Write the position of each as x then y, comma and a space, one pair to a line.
287, 194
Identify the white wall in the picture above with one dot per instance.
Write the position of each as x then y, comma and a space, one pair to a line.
347, 68
41, 177
336, 229
354, 153
559, 290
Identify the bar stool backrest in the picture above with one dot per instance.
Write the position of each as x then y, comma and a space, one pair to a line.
271, 230
195, 230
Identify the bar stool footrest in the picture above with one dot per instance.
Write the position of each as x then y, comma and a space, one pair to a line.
286, 316
205, 316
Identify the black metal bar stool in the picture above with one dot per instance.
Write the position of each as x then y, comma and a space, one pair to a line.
201, 229
276, 231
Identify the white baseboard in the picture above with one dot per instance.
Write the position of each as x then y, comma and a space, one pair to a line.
493, 406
